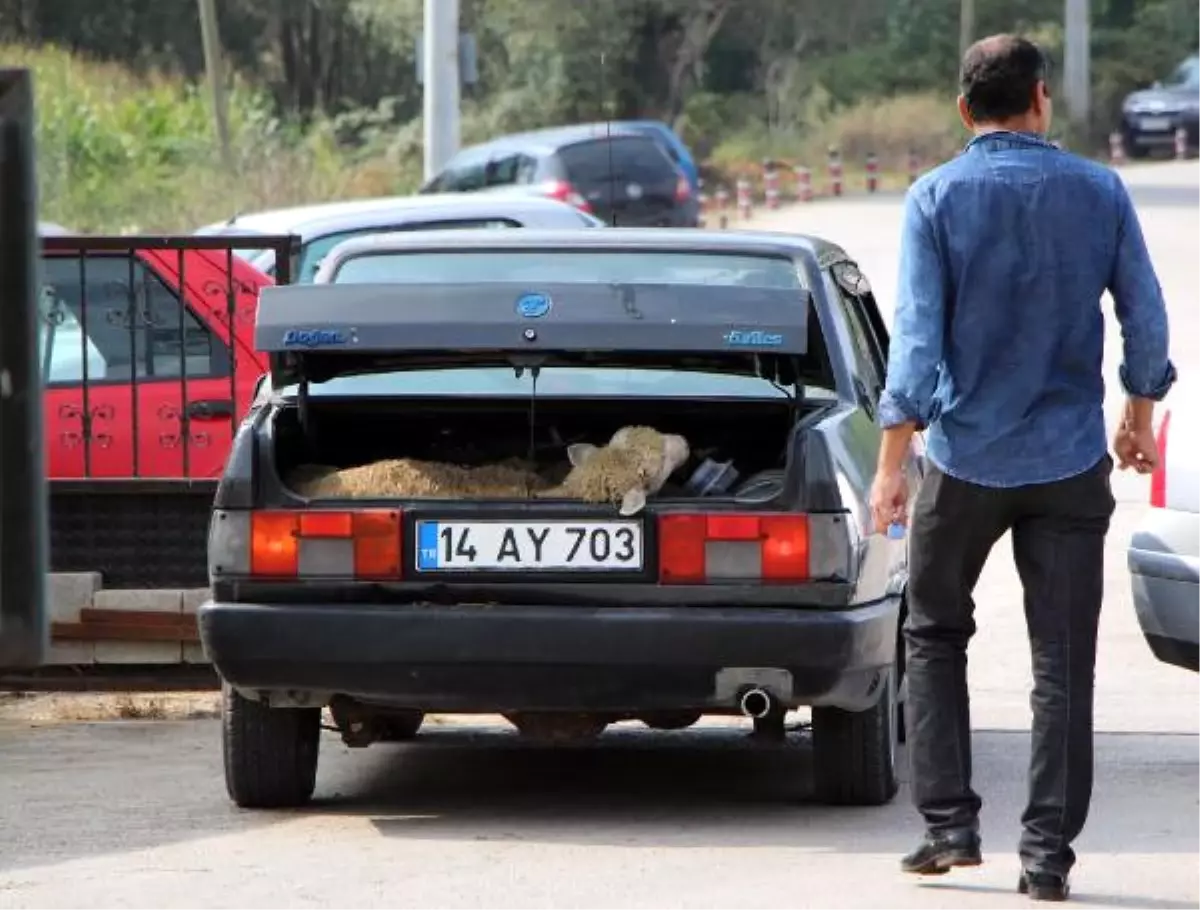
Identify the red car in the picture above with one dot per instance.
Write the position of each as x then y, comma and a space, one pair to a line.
144, 377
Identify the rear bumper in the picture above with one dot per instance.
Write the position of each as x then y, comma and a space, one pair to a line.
1164, 138
1166, 598
1164, 568
493, 659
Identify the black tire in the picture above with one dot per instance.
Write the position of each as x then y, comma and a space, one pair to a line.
270, 753
856, 751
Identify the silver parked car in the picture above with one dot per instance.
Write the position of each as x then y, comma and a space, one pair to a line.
1164, 554
322, 227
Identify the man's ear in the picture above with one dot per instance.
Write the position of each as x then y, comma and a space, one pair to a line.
964, 113
579, 453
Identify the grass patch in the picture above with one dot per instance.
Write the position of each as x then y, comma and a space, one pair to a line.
80, 707
925, 124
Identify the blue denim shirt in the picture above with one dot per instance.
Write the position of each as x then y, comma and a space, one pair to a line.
998, 337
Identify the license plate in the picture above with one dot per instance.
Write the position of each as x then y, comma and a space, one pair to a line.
529, 546
1155, 124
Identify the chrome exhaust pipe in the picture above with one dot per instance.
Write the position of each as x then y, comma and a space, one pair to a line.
756, 703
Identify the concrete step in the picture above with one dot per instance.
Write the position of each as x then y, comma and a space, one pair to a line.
70, 593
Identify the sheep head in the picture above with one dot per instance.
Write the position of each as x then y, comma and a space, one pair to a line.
654, 456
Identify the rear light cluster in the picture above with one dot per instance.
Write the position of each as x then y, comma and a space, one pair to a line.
364, 543
564, 192
683, 190
1158, 480
693, 548
715, 548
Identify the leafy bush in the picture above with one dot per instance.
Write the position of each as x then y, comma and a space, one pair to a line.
119, 152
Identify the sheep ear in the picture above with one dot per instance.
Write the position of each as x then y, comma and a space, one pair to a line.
579, 453
633, 501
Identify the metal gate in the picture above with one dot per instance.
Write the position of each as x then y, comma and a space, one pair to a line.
148, 366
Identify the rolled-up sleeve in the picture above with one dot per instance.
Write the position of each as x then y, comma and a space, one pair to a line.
1146, 371
915, 351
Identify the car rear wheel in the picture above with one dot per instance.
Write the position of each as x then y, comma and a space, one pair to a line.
270, 753
856, 751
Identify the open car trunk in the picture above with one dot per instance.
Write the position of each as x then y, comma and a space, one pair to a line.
737, 448
744, 335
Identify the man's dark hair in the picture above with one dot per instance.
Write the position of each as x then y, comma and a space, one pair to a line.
999, 76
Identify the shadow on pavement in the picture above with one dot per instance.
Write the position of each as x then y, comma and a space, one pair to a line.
1077, 897
711, 787
87, 790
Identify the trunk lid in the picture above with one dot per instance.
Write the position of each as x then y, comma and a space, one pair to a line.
321, 332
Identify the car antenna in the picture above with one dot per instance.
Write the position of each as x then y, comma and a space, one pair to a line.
612, 177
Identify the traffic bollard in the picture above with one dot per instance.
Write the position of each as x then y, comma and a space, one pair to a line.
771, 184
1116, 148
744, 202
804, 190
835, 171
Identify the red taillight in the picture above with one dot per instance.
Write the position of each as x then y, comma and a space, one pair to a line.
1158, 479
683, 190
733, 548
274, 543
564, 192
364, 543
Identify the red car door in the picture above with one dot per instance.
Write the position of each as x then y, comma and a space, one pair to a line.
121, 370
217, 392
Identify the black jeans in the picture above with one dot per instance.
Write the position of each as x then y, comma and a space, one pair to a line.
1058, 532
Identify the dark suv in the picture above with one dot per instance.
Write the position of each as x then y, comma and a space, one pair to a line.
1150, 117
621, 175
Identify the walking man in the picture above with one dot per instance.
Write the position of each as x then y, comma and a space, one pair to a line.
997, 348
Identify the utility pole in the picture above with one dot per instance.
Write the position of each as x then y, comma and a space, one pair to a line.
966, 26
24, 629
211, 37
1077, 63
441, 78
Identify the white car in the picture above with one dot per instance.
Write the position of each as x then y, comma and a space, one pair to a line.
1164, 553
322, 227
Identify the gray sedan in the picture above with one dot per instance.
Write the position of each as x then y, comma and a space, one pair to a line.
322, 227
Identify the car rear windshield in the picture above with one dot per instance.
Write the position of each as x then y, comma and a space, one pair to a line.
570, 266
624, 158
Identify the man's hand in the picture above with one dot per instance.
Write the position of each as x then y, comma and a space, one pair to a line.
1135, 447
889, 499
1134, 443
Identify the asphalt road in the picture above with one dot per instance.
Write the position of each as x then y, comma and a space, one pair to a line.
134, 814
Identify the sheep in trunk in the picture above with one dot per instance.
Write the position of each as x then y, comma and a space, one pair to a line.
633, 466
411, 478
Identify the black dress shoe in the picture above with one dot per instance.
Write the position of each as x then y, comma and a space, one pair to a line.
937, 854
1044, 886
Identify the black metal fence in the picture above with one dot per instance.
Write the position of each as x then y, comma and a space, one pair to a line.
148, 364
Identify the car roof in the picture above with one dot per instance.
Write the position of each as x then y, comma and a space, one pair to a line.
683, 239
553, 138
331, 217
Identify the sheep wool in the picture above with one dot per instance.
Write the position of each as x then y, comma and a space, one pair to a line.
411, 478
633, 466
